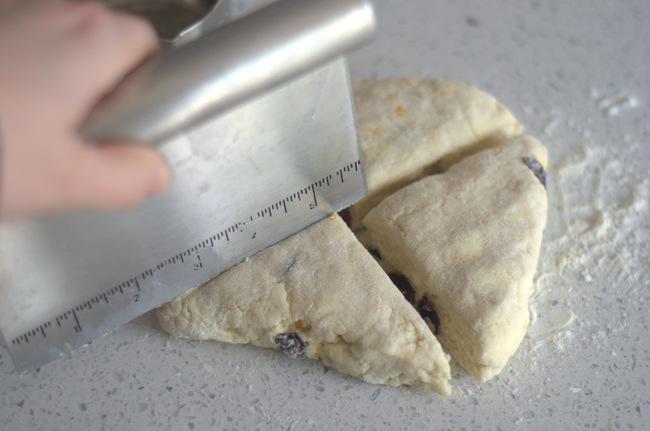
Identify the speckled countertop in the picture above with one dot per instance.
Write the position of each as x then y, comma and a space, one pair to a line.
577, 75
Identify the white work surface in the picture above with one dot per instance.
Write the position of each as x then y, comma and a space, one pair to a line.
577, 75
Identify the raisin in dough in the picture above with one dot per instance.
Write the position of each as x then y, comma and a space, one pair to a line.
468, 240
406, 126
317, 294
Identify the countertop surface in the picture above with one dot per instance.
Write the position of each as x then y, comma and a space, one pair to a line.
577, 75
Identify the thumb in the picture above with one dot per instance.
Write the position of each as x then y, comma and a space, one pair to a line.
119, 174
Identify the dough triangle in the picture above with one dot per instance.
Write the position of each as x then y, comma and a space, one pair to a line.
468, 240
317, 294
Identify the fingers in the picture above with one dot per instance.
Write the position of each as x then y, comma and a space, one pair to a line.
67, 55
64, 57
116, 175
104, 46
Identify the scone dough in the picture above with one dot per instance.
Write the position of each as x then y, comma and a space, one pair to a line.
468, 240
406, 126
317, 294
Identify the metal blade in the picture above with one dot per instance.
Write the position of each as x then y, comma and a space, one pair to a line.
242, 182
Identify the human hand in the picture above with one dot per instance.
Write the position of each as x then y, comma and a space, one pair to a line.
58, 59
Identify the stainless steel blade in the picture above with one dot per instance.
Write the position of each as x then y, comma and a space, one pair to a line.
242, 182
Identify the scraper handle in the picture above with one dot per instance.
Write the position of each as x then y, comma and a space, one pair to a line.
204, 78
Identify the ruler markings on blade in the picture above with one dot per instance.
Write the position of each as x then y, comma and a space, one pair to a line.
73, 316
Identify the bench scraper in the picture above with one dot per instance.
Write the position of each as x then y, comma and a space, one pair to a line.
256, 120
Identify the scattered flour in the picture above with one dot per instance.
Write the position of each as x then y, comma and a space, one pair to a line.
613, 105
599, 223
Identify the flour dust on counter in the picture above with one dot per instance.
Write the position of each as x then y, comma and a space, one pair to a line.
614, 104
603, 214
